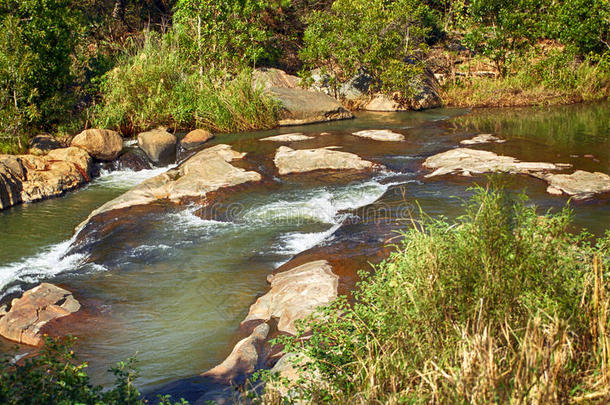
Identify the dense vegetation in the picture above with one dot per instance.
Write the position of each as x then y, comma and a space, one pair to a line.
129, 65
504, 305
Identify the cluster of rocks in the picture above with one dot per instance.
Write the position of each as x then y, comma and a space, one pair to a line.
24, 321
462, 161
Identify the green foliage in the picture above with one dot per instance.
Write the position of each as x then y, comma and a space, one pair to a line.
502, 306
583, 25
503, 29
55, 376
37, 39
221, 34
381, 37
154, 85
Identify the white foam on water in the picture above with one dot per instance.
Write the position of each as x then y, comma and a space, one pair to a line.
187, 220
297, 242
49, 262
127, 178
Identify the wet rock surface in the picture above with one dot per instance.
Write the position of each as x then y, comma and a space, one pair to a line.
35, 309
159, 145
204, 172
29, 178
101, 144
289, 160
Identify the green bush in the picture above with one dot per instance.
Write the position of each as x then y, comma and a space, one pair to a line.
381, 37
55, 376
503, 305
154, 85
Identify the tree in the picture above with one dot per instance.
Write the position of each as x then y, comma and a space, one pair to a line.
221, 34
380, 36
504, 29
583, 25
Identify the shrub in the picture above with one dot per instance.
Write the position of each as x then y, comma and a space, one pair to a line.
55, 376
501, 306
153, 85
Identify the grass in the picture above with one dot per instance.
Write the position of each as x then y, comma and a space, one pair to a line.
503, 305
153, 85
551, 79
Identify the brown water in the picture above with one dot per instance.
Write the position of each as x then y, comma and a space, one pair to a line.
173, 283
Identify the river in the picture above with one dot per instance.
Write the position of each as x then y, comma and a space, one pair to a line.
172, 284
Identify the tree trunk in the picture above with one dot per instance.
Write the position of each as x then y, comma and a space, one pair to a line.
118, 13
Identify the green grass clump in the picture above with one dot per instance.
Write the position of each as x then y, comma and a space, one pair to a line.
502, 305
154, 85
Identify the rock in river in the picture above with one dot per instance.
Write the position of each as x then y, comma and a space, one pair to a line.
37, 307
482, 138
580, 184
196, 138
380, 135
204, 172
159, 145
295, 137
296, 294
466, 162
289, 160
29, 178
298, 105
102, 144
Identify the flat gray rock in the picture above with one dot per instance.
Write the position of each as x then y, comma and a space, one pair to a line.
295, 137
288, 160
580, 184
384, 135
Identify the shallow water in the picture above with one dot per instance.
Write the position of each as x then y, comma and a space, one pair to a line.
173, 283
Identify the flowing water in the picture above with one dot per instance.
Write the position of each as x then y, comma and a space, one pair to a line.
172, 283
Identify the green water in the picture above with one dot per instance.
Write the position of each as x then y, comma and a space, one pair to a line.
173, 287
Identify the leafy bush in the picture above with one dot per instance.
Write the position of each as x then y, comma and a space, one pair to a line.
154, 85
583, 25
501, 306
55, 376
381, 37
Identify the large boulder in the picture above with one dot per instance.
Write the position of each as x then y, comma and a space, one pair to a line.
159, 145
580, 184
196, 138
298, 105
29, 178
102, 144
36, 308
206, 171
288, 160
133, 159
295, 294
466, 162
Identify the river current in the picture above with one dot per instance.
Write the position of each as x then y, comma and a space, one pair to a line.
171, 285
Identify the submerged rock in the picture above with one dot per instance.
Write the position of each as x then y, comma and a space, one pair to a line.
204, 172
159, 145
102, 144
380, 135
288, 160
297, 136
580, 184
295, 294
482, 138
133, 159
36, 308
466, 162
29, 178
196, 138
